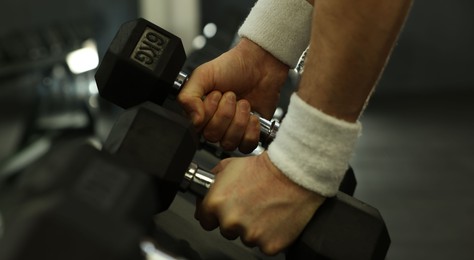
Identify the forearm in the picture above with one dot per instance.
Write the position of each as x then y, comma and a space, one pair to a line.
350, 44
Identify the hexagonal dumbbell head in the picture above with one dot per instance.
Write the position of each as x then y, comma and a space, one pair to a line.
158, 142
343, 228
142, 63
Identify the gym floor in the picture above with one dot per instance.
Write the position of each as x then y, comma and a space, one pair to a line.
414, 162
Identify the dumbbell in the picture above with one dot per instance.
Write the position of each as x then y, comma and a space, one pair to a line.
83, 198
343, 228
343, 210
143, 63
100, 204
161, 142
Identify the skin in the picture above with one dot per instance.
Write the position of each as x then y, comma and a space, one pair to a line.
231, 77
350, 44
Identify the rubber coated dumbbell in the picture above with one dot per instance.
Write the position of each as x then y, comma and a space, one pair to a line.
143, 63
88, 189
95, 204
343, 228
373, 247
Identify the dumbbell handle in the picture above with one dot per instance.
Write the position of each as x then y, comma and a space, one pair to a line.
268, 128
197, 181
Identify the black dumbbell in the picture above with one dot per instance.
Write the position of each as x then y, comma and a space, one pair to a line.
157, 141
344, 228
143, 63
371, 246
86, 198
110, 189
137, 137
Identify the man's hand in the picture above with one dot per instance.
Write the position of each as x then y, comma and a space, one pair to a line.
253, 200
221, 93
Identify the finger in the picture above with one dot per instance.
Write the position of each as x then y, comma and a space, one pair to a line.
205, 215
247, 243
230, 230
208, 222
251, 136
229, 233
237, 127
218, 124
211, 103
207, 210
230, 221
199, 84
194, 108
249, 237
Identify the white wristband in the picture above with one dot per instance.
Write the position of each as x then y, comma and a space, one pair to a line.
281, 27
313, 149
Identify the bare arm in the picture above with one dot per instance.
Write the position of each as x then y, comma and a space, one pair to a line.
350, 44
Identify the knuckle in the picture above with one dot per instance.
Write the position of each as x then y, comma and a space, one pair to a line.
270, 248
207, 226
251, 237
212, 134
248, 146
240, 123
225, 114
231, 224
210, 137
213, 204
198, 120
228, 145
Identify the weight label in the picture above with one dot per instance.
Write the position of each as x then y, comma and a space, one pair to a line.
150, 48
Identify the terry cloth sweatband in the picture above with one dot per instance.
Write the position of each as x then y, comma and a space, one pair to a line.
313, 149
281, 27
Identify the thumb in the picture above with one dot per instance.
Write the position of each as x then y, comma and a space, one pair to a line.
193, 106
192, 94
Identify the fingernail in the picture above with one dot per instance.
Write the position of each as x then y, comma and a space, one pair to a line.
244, 107
215, 97
230, 97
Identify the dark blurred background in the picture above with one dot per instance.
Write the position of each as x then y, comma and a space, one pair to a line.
414, 161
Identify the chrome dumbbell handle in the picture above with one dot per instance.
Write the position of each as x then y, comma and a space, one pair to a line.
268, 128
197, 180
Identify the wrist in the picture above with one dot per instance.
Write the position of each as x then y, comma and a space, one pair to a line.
252, 51
267, 73
313, 149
